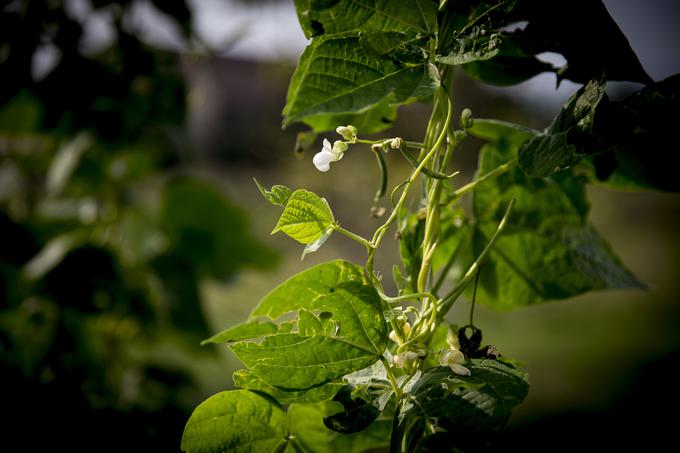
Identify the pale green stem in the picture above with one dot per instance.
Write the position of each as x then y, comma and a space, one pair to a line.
485, 177
414, 296
380, 232
353, 236
407, 143
392, 379
472, 270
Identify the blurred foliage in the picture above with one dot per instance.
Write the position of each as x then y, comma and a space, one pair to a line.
104, 238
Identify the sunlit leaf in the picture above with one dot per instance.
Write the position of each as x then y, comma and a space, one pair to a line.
336, 75
560, 146
306, 217
253, 329
238, 421
247, 380
350, 334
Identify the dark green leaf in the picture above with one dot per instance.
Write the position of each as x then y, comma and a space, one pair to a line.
238, 421
458, 412
306, 217
348, 310
548, 250
358, 412
336, 75
640, 135
586, 35
407, 16
582, 31
472, 49
506, 71
253, 329
375, 119
247, 380
501, 131
562, 145
306, 421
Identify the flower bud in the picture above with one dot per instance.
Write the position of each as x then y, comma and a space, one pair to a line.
396, 143
340, 147
348, 132
409, 360
466, 120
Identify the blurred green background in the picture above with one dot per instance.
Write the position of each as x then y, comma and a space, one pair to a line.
130, 228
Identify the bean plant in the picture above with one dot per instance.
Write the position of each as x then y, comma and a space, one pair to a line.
337, 359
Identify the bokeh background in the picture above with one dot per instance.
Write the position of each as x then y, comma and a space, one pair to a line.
130, 227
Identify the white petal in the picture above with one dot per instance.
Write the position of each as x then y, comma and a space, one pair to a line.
452, 357
322, 160
326, 145
460, 370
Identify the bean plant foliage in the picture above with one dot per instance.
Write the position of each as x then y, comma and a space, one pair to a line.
334, 363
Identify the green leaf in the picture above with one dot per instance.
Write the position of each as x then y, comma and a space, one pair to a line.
451, 412
560, 146
253, 329
373, 120
548, 250
247, 380
408, 16
278, 195
495, 131
238, 421
336, 75
306, 421
472, 49
598, 48
506, 71
306, 217
351, 332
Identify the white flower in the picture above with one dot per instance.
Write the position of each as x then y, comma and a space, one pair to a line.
453, 359
322, 160
405, 358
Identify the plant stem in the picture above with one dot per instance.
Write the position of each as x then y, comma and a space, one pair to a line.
393, 300
407, 143
472, 270
432, 227
492, 174
353, 236
390, 375
380, 232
